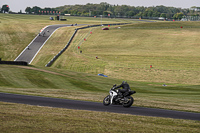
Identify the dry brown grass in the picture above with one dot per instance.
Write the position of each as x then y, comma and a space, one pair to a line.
21, 118
173, 54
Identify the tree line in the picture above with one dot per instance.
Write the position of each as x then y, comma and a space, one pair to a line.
108, 10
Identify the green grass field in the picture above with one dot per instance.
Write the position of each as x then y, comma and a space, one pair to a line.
17, 31
25, 118
125, 53
60, 83
128, 52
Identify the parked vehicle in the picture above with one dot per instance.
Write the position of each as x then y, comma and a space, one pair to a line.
105, 28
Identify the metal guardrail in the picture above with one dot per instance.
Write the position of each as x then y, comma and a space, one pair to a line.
63, 50
14, 62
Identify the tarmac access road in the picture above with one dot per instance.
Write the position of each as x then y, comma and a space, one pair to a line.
93, 106
29, 53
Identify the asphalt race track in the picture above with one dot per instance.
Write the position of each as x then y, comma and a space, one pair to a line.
33, 48
93, 106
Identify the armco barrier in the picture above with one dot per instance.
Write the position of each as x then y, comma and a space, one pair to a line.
63, 50
14, 62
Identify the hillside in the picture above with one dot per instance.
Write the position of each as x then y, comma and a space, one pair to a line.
17, 31
128, 52
124, 53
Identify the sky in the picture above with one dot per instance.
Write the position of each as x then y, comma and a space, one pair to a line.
17, 5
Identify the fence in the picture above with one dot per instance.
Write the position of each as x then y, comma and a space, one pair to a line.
14, 62
63, 50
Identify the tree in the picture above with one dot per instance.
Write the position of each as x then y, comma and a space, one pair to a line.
5, 8
139, 14
36, 9
150, 13
131, 13
156, 14
163, 15
178, 15
168, 15
117, 10
28, 10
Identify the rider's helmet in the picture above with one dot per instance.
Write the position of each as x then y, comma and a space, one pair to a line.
124, 82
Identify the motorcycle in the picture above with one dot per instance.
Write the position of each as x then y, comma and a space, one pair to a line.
114, 99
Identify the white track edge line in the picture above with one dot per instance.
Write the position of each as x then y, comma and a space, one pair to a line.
43, 45
28, 45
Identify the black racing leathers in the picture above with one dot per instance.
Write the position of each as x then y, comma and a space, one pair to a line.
125, 88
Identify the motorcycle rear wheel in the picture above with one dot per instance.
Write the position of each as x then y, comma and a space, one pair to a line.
129, 102
106, 100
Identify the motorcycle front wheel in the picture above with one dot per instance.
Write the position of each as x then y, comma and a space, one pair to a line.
106, 100
129, 101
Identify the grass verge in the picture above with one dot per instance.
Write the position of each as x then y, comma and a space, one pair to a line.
21, 118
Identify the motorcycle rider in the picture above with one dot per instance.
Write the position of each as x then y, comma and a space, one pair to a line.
125, 88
